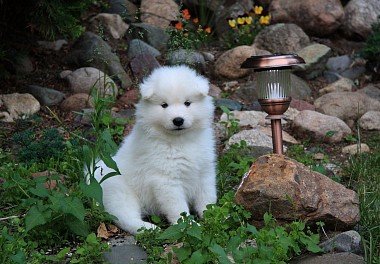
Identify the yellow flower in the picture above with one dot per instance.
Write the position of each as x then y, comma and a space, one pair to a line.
264, 20
258, 10
248, 20
232, 23
240, 20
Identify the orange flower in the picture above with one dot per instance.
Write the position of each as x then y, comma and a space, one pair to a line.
196, 20
186, 14
179, 25
208, 29
258, 10
264, 20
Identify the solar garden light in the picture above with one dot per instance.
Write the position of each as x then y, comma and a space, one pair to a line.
274, 86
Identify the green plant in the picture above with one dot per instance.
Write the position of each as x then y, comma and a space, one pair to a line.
33, 149
187, 33
224, 236
231, 124
363, 173
371, 50
244, 28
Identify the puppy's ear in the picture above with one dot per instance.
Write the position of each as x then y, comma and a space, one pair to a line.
146, 90
203, 85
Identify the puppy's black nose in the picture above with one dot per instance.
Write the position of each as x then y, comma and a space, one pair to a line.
178, 121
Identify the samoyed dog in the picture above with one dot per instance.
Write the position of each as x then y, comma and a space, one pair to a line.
167, 162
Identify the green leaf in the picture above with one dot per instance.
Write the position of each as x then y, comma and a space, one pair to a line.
33, 218
182, 253
19, 257
330, 133
109, 175
39, 191
197, 258
173, 232
79, 228
110, 163
75, 207
92, 190
219, 251
91, 239
62, 254
195, 231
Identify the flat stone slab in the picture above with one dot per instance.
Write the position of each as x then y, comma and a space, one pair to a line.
125, 254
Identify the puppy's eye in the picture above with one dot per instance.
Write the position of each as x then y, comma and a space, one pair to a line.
187, 103
164, 105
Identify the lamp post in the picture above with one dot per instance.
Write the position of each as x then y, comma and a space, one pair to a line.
274, 86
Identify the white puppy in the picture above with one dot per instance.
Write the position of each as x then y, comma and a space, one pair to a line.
167, 163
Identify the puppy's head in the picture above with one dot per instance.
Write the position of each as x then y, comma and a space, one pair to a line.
174, 100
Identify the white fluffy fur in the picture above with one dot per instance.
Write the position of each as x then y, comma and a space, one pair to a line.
165, 171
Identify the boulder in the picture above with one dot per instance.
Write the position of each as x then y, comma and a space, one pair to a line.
316, 17
90, 50
191, 58
291, 191
344, 66
83, 80
137, 47
154, 36
331, 258
159, 12
282, 38
18, 106
46, 96
341, 85
228, 64
370, 120
346, 105
315, 56
111, 24
320, 127
301, 105
372, 90
143, 64
126, 9
359, 16
355, 149
53, 45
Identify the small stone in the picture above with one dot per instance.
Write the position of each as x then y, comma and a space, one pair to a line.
247, 118
46, 96
77, 102
129, 98
159, 12
355, 149
370, 120
191, 58
215, 91
143, 64
230, 104
349, 241
318, 156
253, 138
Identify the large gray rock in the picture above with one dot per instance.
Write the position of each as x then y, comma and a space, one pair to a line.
319, 127
253, 138
321, 17
126, 9
18, 106
46, 96
359, 16
370, 120
346, 105
247, 118
142, 65
83, 80
315, 56
191, 58
111, 24
90, 50
159, 12
291, 191
282, 38
138, 47
344, 66
154, 36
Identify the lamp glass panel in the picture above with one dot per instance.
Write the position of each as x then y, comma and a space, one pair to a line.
273, 84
